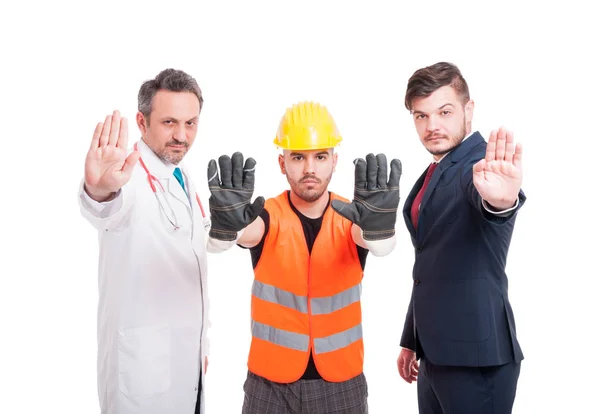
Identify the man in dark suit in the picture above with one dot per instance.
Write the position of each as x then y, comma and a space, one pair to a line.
460, 215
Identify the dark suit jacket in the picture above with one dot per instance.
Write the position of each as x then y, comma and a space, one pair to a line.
459, 312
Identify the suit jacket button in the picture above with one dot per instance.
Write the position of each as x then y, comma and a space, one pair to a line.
419, 250
416, 282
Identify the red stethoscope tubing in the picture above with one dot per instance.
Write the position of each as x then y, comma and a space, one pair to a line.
152, 178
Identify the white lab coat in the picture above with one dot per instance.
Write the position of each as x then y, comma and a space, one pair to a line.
153, 310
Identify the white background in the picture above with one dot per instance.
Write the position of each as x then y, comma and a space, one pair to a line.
66, 65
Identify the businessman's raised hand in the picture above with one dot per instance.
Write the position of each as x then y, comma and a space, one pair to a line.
107, 165
230, 204
376, 198
499, 175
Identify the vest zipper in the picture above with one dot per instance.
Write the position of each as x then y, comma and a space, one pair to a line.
310, 336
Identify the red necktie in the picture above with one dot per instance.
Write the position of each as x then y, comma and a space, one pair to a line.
416, 206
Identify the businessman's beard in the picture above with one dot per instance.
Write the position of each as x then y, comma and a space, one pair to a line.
448, 142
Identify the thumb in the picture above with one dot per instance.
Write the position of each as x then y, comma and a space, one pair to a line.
130, 162
254, 209
347, 210
478, 167
213, 174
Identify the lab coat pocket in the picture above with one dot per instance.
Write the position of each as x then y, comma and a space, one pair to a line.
145, 360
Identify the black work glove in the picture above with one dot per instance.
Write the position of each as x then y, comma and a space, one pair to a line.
229, 202
376, 200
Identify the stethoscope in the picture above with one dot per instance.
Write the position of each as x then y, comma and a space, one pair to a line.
172, 217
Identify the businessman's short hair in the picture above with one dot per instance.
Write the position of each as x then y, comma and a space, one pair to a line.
427, 80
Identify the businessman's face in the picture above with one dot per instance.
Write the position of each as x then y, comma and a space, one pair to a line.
442, 120
171, 129
308, 172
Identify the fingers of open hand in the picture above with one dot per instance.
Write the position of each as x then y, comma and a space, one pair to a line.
105, 134
123, 134
381, 171
500, 144
490, 150
510, 147
249, 173
518, 156
395, 173
237, 166
225, 165
360, 174
96, 137
115, 128
371, 172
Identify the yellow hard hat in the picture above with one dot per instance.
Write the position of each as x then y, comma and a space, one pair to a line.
307, 126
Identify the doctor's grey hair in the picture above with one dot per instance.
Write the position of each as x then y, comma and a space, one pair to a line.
171, 80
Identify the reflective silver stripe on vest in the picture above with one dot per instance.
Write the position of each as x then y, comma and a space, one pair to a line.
288, 339
270, 293
328, 304
339, 340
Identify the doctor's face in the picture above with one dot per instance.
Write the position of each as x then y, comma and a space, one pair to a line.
308, 172
442, 120
173, 124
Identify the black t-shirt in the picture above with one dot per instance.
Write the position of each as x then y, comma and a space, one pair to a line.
311, 229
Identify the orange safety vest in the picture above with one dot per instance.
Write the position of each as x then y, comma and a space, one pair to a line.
302, 302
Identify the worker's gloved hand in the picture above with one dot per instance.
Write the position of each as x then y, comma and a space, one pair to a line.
376, 199
229, 202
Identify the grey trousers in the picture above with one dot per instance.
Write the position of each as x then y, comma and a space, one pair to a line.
305, 396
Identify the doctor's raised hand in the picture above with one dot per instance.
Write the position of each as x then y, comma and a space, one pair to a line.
230, 204
107, 165
499, 175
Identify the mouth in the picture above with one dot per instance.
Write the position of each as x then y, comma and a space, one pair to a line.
177, 146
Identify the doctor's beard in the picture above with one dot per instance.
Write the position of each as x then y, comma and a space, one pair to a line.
171, 153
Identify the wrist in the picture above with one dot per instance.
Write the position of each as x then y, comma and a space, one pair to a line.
98, 195
222, 234
500, 205
375, 235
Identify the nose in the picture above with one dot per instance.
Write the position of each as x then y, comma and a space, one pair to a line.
180, 133
309, 166
432, 124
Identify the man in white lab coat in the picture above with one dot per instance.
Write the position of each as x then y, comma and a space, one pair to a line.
152, 276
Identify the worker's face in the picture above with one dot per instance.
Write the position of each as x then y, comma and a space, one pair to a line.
173, 124
442, 120
308, 172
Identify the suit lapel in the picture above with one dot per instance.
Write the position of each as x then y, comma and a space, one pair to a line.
409, 201
453, 157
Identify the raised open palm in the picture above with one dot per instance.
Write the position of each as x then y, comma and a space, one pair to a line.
499, 175
107, 166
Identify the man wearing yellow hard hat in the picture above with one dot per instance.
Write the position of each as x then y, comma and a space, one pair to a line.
308, 247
